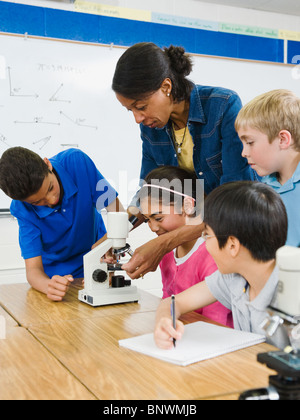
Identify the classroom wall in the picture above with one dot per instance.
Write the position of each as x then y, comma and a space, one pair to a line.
191, 8
221, 31
11, 262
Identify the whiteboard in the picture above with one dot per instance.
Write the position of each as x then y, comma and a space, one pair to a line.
55, 95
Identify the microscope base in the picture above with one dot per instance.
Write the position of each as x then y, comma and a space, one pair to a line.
110, 296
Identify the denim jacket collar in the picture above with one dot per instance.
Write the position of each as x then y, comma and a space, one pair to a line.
217, 152
196, 113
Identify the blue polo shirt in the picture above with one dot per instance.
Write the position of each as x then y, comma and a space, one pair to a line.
63, 234
290, 195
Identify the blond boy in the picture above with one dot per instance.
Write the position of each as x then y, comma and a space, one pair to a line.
269, 128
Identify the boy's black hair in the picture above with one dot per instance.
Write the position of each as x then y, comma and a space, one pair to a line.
22, 173
250, 211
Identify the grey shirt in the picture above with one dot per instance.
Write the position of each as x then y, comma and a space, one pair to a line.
229, 289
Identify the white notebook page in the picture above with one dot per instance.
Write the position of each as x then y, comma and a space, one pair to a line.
201, 341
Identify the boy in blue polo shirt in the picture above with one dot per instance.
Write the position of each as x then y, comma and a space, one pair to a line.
57, 203
269, 128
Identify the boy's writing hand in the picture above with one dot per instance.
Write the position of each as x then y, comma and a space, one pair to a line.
58, 287
164, 333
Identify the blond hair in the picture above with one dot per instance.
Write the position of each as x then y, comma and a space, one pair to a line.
272, 112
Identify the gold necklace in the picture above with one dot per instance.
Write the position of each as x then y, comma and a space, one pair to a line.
179, 146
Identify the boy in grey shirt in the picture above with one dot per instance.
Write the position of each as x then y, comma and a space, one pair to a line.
244, 224
230, 290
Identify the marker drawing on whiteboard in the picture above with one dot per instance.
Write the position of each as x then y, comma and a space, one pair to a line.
43, 141
37, 120
3, 139
78, 121
55, 96
17, 91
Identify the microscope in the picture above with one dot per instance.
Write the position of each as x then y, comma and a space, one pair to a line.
282, 328
101, 284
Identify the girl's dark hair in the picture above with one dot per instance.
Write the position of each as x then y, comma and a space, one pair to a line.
250, 211
143, 67
22, 173
176, 179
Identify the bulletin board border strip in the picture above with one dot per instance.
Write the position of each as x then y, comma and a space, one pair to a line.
112, 46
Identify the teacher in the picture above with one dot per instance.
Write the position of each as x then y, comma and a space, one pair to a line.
182, 124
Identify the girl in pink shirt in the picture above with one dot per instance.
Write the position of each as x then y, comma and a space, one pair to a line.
167, 205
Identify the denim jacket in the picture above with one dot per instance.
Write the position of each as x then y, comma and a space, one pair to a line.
217, 147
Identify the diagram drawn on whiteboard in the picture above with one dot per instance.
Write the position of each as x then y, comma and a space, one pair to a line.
56, 98
37, 120
43, 142
79, 121
17, 91
56, 95
3, 139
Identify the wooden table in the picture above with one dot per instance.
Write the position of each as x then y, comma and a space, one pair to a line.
69, 350
29, 371
29, 307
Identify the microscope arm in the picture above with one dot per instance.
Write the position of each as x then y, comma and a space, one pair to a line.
97, 288
93, 266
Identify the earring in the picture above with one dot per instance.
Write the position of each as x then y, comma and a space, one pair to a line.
168, 95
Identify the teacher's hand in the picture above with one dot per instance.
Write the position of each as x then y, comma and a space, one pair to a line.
146, 258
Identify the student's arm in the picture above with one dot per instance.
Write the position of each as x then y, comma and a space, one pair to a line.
147, 257
191, 299
55, 288
115, 206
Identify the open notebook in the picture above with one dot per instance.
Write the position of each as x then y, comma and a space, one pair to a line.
200, 341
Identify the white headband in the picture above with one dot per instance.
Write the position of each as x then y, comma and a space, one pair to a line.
167, 189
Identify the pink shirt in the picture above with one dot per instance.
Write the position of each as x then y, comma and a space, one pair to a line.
179, 274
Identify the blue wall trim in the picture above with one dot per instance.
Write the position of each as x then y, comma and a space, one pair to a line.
51, 23
294, 52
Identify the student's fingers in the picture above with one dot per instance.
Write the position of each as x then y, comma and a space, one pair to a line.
69, 277
55, 294
59, 280
177, 334
109, 257
164, 344
54, 297
162, 338
62, 280
164, 333
179, 328
59, 285
59, 289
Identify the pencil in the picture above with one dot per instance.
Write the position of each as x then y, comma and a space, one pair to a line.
173, 314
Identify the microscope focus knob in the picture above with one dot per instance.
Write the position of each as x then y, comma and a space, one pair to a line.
100, 276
